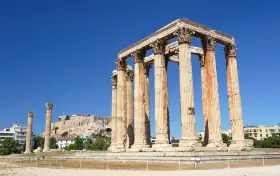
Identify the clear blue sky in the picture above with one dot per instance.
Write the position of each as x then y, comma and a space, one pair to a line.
64, 51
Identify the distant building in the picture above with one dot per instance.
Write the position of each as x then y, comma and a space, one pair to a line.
66, 141
261, 132
16, 131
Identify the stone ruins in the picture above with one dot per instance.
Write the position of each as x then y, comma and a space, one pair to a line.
28, 148
131, 119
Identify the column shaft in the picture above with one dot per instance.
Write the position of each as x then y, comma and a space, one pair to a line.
212, 102
121, 105
29, 133
139, 101
130, 129
147, 104
49, 107
114, 111
161, 102
234, 99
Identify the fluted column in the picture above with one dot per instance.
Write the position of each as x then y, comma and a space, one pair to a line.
212, 101
140, 141
147, 103
234, 99
189, 138
114, 110
204, 99
130, 128
121, 105
29, 133
161, 102
49, 107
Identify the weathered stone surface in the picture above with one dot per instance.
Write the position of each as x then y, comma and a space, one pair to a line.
212, 101
121, 105
114, 128
189, 138
49, 107
234, 99
29, 133
161, 97
130, 128
140, 120
147, 104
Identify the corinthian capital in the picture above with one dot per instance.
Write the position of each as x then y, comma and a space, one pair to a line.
184, 35
129, 75
139, 56
49, 106
121, 64
230, 50
114, 79
208, 43
159, 46
30, 114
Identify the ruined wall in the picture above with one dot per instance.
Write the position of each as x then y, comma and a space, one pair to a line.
81, 126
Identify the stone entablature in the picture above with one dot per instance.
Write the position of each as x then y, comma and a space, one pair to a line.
168, 32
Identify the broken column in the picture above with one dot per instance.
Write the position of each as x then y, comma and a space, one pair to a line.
49, 107
29, 133
234, 99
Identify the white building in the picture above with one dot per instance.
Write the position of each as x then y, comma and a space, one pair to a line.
16, 131
66, 141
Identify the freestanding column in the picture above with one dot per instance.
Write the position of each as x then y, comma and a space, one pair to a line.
121, 105
139, 101
234, 99
130, 130
212, 102
49, 107
204, 99
161, 109
189, 138
29, 133
114, 110
147, 103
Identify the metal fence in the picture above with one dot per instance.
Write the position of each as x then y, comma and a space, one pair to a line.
148, 164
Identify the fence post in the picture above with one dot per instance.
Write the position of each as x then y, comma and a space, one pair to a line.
147, 164
179, 163
50, 162
80, 164
263, 160
228, 163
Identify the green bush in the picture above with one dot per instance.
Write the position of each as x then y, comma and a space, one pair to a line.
10, 146
175, 145
100, 144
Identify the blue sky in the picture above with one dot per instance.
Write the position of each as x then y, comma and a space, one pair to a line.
64, 51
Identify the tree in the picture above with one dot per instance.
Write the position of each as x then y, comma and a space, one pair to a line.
70, 147
78, 142
100, 144
55, 129
53, 144
64, 134
226, 139
38, 142
10, 146
88, 145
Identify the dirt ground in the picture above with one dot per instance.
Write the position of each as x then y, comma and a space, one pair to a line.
122, 165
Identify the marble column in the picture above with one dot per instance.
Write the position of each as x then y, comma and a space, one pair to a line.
129, 88
121, 105
49, 107
204, 99
147, 104
212, 101
234, 99
29, 133
140, 141
161, 101
114, 111
189, 138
